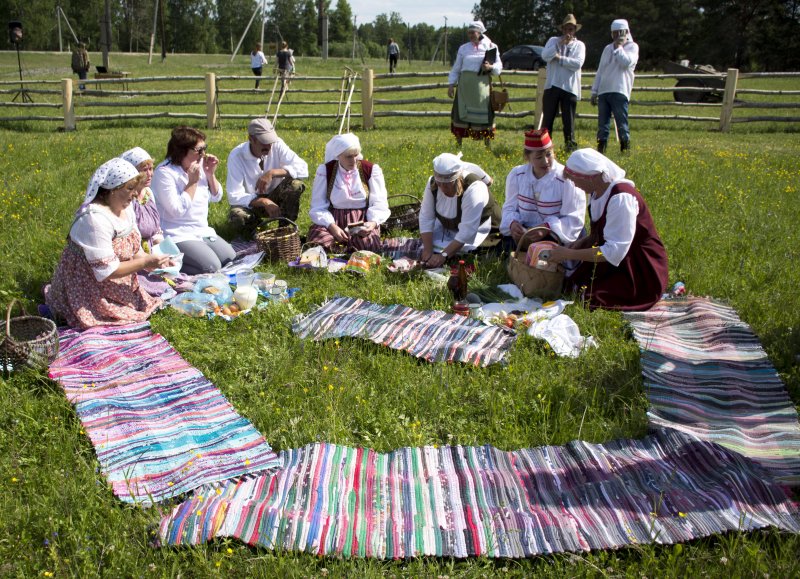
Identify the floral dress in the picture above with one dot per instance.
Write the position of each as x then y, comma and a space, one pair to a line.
82, 291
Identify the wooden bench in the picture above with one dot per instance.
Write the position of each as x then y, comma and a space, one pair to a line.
116, 74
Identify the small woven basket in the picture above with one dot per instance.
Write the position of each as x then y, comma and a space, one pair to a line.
532, 281
29, 341
281, 243
404, 216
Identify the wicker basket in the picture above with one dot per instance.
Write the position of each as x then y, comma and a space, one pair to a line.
29, 341
405, 216
533, 282
281, 243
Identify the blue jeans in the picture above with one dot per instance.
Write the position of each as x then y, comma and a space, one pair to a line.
617, 104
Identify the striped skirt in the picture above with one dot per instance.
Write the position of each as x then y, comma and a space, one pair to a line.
343, 217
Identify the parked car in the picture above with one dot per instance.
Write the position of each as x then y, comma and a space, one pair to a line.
523, 57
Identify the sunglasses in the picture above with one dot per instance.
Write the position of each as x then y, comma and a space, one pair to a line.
201, 150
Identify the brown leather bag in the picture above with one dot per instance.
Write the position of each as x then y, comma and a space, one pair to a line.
498, 97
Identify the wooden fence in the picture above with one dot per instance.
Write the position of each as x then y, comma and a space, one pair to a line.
213, 98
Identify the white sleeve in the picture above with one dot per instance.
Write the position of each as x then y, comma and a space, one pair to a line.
320, 208
621, 213
510, 207
478, 171
94, 234
568, 224
235, 183
215, 197
427, 211
575, 62
172, 203
452, 78
550, 49
475, 199
378, 210
627, 55
291, 162
497, 65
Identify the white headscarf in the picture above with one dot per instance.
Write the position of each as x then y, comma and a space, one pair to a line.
621, 24
477, 25
340, 144
447, 167
590, 162
136, 156
109, 175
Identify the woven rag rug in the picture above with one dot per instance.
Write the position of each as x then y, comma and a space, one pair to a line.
434, 336
159, 427
458, 501
706, 374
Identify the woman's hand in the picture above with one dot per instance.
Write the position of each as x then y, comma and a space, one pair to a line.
487, 66
338, 233
152, 262
517, 231
195, 172
210, 163
558, 254
366, 228
451, 91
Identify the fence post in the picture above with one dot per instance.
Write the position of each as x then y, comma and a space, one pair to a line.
367, 117
541, 80
66, 103
727, 101
211, 100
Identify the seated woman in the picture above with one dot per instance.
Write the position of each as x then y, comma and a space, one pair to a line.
183, 185
538, 195
348, 191
624, 263
457, 212
95, 282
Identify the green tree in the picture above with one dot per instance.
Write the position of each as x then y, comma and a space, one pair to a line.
340, 23
232, 19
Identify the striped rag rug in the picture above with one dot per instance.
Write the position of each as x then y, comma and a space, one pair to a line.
706, 374
458, 501
159, 427
434, 336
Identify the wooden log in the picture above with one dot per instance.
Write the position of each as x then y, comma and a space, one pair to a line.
32, 105
285, 103
273, 76
31, 91
766, 119
159, 115
727, 100
754, 105
264, 92
657, 117
37, 81
66, 101
401, 88
767, 92
367, 108
672, 104
539, 110
211, 101
124, 104
285, 116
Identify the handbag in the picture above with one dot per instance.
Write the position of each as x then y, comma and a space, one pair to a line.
498, 97
534, 281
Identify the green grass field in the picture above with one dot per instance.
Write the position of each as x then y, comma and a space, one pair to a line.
726, 206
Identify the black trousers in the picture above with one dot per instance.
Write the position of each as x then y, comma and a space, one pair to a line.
552, 99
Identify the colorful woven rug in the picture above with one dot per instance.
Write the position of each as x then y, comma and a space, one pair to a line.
431, 335
158, 426
706, 374
397, 247
481, 501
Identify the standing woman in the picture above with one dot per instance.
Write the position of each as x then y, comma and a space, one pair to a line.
183, 185
257, 62
472, 114
95, 282
624, 263
393, 52
348, 190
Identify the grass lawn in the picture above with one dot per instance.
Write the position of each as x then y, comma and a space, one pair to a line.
726, 206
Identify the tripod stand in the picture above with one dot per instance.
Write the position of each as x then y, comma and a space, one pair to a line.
22, 92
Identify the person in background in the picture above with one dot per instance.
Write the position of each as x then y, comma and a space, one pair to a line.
285, 63
538, 195
95, 282
183, 185
349, 199
624, 262
264, 178
393, 54
257, 62
457, 211
564, 56
476, 60
611, 90
80, 63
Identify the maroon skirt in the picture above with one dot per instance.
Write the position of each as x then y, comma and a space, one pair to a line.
343, 217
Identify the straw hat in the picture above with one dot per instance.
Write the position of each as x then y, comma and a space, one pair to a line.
570, 19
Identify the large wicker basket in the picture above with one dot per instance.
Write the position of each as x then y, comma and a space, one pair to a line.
29, 341
533, 282
404, 216
280, 243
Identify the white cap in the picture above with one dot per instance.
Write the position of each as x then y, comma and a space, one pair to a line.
447, 167
619, 24
340, 144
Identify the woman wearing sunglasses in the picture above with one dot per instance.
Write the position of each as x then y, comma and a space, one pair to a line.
183, 185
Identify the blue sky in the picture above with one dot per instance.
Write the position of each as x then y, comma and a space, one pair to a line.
412, 12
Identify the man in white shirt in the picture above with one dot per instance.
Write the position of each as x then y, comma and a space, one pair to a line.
564, 56
611, 90
264, 178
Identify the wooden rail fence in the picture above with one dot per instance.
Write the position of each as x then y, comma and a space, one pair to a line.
223, 97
